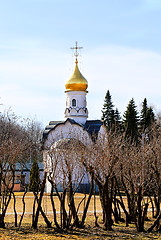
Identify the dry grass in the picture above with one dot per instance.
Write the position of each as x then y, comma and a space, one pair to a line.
89, 232
46, 204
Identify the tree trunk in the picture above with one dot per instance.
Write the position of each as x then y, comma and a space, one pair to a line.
140, 214
23, 201
115, 211
130, 201
63, 213
2, 224
106, 199
95, 210
88, 201
155, 223
2, 216
33, 211
39, 208
121, 202
152, 204
53, 206
157, 204
72, 204
14, 207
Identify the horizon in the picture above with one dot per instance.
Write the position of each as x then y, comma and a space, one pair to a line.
121, 53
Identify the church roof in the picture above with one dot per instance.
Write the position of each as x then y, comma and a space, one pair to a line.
26, 166
91, 126
76, 82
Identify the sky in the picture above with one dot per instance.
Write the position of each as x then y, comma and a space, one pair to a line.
121, 42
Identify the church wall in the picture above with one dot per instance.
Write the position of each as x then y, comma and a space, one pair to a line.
76, 106
80, 97
67, 131
102, 134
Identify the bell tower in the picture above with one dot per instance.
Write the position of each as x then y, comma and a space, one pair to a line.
76, 90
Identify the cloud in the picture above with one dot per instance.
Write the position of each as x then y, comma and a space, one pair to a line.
126, 73
152, 5
35, 85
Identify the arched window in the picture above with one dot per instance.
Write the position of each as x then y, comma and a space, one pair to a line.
73, 103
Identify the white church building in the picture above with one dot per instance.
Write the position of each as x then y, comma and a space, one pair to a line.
76, 123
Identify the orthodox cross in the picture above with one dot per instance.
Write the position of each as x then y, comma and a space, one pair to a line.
76, 48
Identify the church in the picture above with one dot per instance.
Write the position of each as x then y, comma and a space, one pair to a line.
76, 124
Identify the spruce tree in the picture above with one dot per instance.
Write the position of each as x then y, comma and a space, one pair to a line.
143, 113
34, 178
147, 116
130, 121
117, 118
107, 111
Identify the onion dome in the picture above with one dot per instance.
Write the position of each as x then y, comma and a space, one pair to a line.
76, 82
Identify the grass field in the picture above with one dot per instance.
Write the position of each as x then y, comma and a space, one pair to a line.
88, 232
46, 203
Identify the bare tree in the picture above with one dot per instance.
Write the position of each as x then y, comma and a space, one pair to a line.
100, 161
67, 172
17, 145
10, 152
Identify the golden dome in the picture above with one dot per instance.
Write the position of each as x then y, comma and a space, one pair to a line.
76, 82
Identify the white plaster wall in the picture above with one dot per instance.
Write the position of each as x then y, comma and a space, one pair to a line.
67, 130
80, 97
61, 132
77, 112
48, 186
70, 131
102, 135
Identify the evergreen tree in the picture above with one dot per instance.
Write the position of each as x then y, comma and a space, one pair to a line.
34, 178
147, 115
117, 118
150, 117
107, 111
143, 113
130, 121
112, 119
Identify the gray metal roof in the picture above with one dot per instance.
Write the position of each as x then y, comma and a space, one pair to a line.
93, 127
27, 166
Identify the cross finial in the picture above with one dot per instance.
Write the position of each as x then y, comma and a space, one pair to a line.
76, 48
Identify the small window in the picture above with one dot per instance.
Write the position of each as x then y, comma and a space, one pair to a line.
73, 102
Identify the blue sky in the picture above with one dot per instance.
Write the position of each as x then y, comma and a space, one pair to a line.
121, 52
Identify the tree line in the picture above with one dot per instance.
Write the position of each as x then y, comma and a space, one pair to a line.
131, 123
124, 164
120, 167
19, 144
